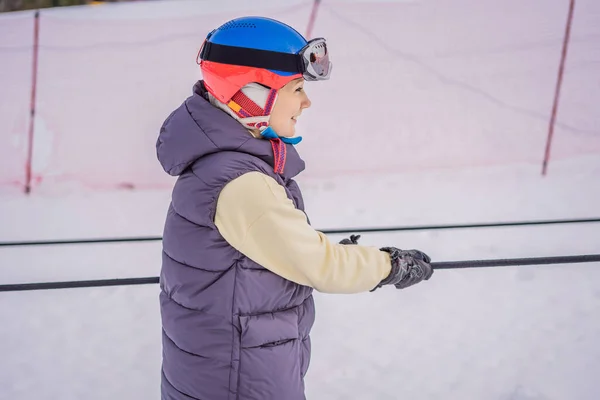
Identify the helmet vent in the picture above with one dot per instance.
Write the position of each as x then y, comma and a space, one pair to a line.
234, 25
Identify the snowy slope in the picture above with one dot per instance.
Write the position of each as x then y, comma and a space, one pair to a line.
504, 333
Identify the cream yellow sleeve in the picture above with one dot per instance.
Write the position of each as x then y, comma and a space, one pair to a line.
257, 218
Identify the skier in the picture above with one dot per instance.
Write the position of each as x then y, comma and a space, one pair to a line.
240, 259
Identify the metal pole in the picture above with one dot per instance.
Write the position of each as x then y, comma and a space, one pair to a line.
29, 161
561, 69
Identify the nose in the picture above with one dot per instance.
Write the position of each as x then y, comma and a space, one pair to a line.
305, 102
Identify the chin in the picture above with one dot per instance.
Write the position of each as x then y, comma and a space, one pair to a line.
286, 132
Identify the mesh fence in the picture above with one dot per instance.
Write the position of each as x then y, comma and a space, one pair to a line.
16, 40
438, 84
578, 129
106, 85
415, 85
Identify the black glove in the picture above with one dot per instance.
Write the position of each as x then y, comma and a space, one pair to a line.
408, 268
353, 240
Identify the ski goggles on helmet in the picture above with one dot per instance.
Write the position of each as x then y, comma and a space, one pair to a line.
315, 57
312, 61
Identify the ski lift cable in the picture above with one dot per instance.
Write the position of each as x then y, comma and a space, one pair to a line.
325, 231
436, 266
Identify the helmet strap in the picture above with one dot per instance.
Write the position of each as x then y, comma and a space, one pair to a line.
245, 107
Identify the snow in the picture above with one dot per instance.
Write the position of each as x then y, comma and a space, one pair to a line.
512, 333
504, 333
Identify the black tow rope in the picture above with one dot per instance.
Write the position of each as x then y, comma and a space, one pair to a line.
436, 265
516, 261
325, 231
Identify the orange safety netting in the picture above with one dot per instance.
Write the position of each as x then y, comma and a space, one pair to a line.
420, 85
16, 42
415, 85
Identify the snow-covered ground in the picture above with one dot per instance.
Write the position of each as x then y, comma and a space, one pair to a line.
504, 333
457, 137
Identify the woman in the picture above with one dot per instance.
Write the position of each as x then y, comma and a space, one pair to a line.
240, 260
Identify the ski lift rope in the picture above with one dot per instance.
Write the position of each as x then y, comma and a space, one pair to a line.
436, 265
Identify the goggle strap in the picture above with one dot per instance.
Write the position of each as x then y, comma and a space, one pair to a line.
256, 58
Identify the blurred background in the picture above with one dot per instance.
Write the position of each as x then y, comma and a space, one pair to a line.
437, 113
19, 5
469, 85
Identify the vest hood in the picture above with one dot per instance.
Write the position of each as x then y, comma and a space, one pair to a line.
197, 128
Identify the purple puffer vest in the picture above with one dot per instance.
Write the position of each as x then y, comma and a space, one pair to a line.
231, 328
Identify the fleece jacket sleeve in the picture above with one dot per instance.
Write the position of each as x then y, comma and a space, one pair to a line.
257, 218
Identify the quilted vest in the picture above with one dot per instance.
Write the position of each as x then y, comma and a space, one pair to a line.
231, 329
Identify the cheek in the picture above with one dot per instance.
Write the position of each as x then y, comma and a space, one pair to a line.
276, 119
282, 123
285, 108
284, 112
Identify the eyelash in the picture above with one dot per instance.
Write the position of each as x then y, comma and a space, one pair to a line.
299, 89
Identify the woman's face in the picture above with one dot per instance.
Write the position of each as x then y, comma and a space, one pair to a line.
291, 100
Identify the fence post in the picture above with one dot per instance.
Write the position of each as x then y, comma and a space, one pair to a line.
313, 17
561, 69
29, 161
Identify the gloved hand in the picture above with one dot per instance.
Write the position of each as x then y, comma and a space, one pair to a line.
353, 240
408, 268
